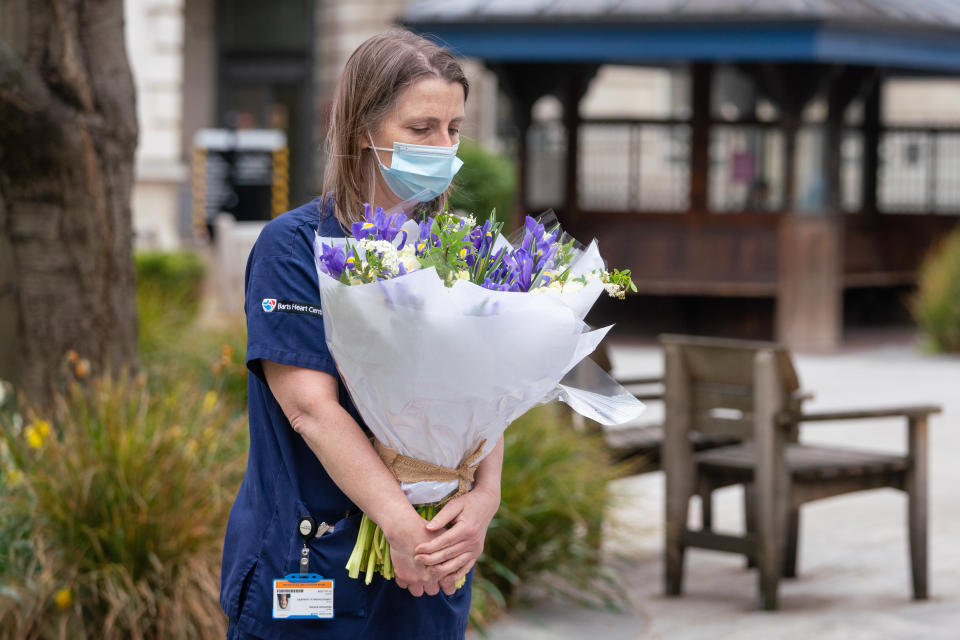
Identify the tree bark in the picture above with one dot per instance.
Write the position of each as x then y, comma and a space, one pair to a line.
68, 133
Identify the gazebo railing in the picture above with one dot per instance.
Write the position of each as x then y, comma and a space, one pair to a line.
635, 165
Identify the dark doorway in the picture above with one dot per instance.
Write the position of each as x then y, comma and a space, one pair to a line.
265, 77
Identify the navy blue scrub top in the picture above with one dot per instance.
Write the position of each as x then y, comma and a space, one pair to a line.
285, 481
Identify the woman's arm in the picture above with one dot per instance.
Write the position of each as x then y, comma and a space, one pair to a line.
452, 554
309, 400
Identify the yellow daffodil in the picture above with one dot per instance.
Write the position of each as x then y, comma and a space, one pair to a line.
34, 437
209, 401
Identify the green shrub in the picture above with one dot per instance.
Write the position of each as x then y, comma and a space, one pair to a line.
936, 306
113, 514
547, 532
169, 289
214, 357
486, 181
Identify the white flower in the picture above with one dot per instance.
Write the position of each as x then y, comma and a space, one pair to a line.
387, 252
463, 275
572, 286
613, 290
408, 257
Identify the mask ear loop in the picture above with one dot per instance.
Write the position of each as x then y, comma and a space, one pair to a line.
374, 147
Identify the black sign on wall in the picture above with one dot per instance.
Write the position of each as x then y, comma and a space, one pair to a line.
244, 173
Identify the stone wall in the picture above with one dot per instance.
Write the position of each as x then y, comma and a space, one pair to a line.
155, 44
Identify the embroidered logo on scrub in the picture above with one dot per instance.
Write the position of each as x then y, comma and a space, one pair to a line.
271, 305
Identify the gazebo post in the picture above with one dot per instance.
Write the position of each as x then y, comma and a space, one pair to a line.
872, 118
810, 296
573, 91
702, 81
522, 116
809, 313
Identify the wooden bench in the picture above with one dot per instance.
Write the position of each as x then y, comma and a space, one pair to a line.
749, 391
638, 446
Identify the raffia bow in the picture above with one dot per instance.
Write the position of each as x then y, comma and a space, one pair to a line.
407, 469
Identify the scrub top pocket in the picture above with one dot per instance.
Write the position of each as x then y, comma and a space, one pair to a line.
328, 557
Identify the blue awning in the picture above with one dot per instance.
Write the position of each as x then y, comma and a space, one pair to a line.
542, 34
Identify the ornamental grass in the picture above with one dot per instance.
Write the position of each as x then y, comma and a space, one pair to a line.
936, 306
547, 535
113, 510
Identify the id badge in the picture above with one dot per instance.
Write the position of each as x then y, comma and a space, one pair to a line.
303, 596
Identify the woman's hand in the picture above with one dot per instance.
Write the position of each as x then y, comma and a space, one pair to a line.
411, 574
452, 553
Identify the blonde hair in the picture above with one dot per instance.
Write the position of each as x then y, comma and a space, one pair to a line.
367, 91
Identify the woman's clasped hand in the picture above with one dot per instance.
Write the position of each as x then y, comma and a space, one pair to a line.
429, 557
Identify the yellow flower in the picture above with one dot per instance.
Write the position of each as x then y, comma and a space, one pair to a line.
226, 351
191, 449
209, 401
34, 439
72, 356
64, 598
14, 478
175, 432
36, 432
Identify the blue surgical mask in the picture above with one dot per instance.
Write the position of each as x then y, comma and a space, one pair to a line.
419, 172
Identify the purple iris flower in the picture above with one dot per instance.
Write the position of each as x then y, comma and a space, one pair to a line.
521, 263
499, 286
333, 260
532, 232
379, 226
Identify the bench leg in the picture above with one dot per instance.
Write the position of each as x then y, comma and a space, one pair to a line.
674, 549
917, 504
790, 551
750, 516
769, 557
706, 507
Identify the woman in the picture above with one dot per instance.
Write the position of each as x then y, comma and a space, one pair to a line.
309, 455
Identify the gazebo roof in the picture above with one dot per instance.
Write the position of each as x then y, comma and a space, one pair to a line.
909, 34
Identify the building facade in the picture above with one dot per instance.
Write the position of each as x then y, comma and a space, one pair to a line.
247, 64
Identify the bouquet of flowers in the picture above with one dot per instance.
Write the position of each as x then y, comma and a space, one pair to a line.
444, 332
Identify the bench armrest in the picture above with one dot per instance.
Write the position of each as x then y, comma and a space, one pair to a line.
791, 417
635, 382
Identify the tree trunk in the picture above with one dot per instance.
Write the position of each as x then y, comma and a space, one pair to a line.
68, 133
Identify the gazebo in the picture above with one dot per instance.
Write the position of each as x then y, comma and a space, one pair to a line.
708, 202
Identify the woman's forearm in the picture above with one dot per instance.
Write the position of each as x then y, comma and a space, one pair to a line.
352, 463
309, 400
488, 473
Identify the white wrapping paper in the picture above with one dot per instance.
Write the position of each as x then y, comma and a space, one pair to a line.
434, 370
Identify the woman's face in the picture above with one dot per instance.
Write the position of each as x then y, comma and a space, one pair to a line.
429, 112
